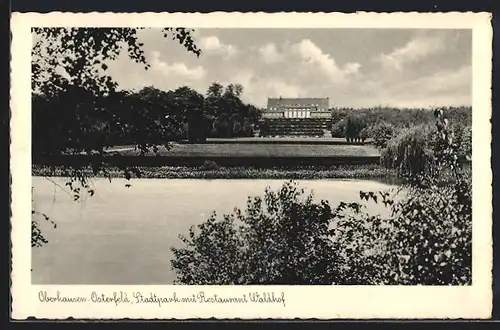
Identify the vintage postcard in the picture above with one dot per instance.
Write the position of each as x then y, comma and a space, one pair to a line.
251, 165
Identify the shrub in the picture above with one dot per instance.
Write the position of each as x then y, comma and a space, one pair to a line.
364, 134
209, 165
466, 142
248, 130
264, 129
237, 129
281, 239
410, 152
338, 129
381, 133
426, 240
463, 137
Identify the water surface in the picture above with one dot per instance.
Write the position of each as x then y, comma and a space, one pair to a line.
123, 235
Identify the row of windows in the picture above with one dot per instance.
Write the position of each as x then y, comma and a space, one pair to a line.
295, 114
294, 109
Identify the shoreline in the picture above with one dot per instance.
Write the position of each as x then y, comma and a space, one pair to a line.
183, 172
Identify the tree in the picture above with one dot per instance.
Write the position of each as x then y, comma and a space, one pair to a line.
215, 90
353, 127
411, 152
229, 115
74, 99
196, 127
212, 100
168, 113
381, 133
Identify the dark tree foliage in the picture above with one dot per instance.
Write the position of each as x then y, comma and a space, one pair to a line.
380, 133
353, 127
382, 124
403, 117
338, 128
77, 107
414, 151
196, 127
76, 56
228, 114
288, 238
411, 151
263, 128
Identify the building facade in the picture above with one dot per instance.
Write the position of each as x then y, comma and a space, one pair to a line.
278, 108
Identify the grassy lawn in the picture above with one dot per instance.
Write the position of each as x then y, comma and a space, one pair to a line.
263, 150
278, 140
282, 138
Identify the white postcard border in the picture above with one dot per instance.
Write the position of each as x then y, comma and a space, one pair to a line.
300, 301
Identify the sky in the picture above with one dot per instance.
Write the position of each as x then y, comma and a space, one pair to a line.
353, 67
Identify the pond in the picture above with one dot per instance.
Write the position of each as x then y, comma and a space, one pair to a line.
123, 235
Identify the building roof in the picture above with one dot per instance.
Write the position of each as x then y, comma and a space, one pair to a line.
323, 103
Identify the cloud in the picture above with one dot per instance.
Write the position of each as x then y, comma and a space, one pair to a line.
270, 54
414, 68
176, 69
312, 57
282, 88
412, 52
456, 82
448, 87
351, 68
213, 45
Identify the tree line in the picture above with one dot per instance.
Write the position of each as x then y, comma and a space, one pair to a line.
379, 125
147, 117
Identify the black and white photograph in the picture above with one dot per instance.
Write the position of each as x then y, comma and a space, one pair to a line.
275, 156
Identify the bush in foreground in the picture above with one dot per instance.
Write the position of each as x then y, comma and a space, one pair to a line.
281, 239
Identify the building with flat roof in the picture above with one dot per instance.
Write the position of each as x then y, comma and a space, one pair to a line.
297, 108
296, 117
